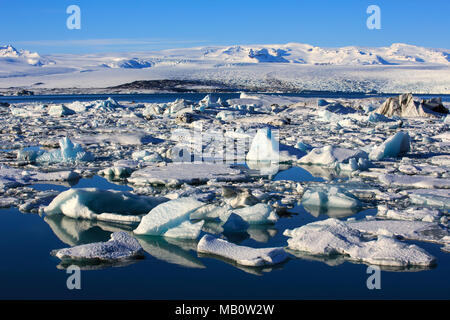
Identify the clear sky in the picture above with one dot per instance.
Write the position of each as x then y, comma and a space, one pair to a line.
139, 25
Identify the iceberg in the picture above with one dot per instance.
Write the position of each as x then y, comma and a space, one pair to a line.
121, 246
331, 237
430, 197
240, 254
405, 106
172, 219
410, 214
104, 205
394, 146
60, 110
116, 172
68, 152
260, 213
335, 157
329, 196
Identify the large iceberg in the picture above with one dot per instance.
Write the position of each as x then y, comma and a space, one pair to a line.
405, 106
396, 145
172, 219
240, 254
331, 237
105, 205
121, 246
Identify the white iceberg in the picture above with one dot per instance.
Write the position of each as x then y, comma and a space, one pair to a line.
104, 205
260, 213
121, 246
329, 196
394, 146
430, 197
60, 110
335, 157
331, 237
240, 254
172, 219
410, 214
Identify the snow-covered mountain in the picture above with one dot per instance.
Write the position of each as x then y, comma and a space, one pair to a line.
9, 54
397, 68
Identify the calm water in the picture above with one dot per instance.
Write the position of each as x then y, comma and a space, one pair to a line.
172, 269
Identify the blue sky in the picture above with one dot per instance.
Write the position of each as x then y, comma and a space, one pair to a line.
139, 25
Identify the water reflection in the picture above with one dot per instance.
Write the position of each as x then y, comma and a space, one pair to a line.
317, 211
336, 260
171, 250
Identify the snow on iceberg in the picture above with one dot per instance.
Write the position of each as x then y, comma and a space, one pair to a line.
329, 196
172, 219
240, 254
104, 205
335, 157
68, 152
121, 246
394, 146
332, 236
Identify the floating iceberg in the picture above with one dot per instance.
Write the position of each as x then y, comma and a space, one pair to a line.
104, 205
68, 152
264, 147
121, 246
395, 146
335, 157
260, 213
172, 219
331, 237
241, 255
116, 172
146, 155
329, 196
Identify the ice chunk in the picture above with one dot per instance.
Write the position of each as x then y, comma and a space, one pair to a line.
121, 246
331, 156
414, 181
146, 155
105, 205
413, 230
331, 236
411, 214
395, 146
430, 197
264, 147
329, 196
174, 214
116, 172
377, 117
237, 198
405, 106
260, 213
68, 152
59, 111
241, 255
174, 174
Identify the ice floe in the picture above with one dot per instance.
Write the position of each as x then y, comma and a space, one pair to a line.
240, 254
331, 237
395, 146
